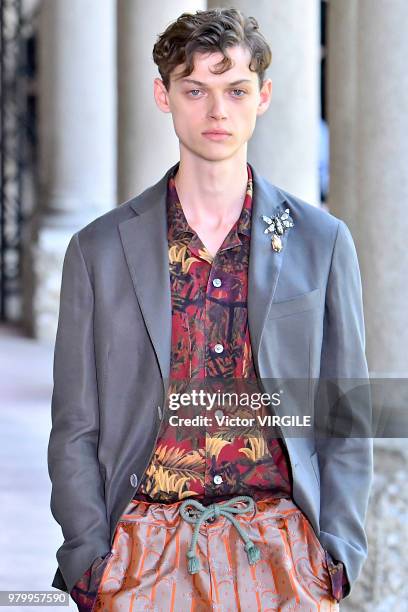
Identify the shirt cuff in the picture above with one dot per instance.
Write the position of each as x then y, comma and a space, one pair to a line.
85, 589
338, 577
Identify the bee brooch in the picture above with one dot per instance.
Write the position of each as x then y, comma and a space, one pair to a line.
277, 225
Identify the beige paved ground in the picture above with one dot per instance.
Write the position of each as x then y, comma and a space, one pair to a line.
29, 535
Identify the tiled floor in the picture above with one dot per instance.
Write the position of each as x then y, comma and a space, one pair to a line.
29, 537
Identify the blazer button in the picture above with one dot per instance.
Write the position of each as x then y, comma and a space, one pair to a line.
133, 480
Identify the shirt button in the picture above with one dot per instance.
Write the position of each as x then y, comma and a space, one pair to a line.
217, 479
219, 413
133, 480
218, 348
217, 282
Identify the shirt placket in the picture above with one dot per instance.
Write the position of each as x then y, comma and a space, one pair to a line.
216, 348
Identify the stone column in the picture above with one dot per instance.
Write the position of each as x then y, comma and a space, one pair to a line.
285, 143
77, 135
368, 98
341, 95
147, 142
367, 102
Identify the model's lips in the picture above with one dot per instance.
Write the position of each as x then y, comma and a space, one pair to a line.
216, 135
217, 132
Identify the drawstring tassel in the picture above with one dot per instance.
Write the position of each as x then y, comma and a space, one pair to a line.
253, 552
193, 563
211, 512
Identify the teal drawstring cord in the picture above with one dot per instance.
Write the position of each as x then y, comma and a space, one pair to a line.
212, 512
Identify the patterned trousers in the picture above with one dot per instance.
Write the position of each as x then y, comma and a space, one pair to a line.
147, 568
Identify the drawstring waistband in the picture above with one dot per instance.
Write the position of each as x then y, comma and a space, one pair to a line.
212, 512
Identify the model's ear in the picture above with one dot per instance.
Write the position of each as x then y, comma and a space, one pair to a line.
264, 96
161, 96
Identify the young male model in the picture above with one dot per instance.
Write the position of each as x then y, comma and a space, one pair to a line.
183, 283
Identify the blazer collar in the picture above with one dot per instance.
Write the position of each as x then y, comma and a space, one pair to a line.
144, 240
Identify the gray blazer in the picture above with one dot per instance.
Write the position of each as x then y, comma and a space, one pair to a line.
112, 362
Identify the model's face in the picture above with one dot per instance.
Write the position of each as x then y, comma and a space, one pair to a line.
204, 101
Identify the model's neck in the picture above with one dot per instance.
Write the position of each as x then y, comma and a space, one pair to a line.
212, 191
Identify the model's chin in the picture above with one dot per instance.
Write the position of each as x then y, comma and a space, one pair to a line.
214, 156
212, 151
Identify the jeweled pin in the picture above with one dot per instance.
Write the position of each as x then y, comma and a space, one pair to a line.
277, 225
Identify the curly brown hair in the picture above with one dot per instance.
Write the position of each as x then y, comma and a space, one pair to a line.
210, 31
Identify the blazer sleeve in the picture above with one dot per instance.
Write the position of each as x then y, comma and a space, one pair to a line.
77, 494
345, 462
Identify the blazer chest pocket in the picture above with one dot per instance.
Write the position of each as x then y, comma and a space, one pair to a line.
286, 348
301, 303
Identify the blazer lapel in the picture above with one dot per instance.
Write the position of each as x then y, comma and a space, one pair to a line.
144, 239
264, 263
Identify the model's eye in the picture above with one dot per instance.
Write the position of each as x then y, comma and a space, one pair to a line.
240, 91
193, 91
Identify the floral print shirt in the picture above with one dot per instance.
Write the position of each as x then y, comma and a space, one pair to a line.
211, 345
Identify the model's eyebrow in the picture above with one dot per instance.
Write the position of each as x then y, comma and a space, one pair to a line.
194, 82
